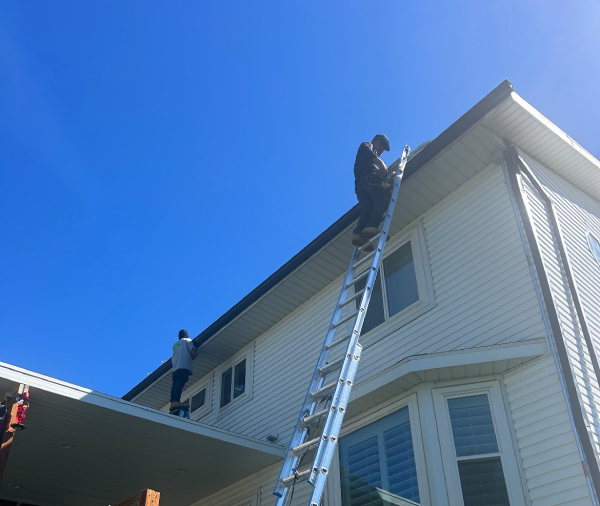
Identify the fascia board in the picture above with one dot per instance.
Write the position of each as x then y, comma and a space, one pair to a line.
58, 387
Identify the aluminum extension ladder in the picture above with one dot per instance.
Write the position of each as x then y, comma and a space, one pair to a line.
328, 401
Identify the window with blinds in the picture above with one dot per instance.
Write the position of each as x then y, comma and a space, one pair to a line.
378, 464
395, 288
477, 453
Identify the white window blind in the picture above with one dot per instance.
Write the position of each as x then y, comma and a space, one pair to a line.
481, 478
378, 464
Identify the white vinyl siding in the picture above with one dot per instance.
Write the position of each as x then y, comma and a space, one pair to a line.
544, 436
579, 216
577, 350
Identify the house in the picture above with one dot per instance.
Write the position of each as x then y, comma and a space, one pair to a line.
478, 381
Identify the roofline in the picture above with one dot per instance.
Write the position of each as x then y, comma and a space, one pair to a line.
436, 146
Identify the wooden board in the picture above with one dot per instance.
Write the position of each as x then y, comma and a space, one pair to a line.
144, 498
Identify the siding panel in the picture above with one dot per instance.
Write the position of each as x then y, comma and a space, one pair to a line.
571, 214
544, 436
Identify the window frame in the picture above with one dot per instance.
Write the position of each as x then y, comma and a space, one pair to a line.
416, 236
334, 486
506, 449
590, 237
245, 354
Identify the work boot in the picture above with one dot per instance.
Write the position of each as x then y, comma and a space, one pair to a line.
176, 405
357, 240
369, 233
369, 248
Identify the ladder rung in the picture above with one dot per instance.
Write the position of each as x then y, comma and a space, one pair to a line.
336, 364
286, 482
358, 278
323, 391
307, 421
304, 447
347, 319
364, 260
354, 297
371, 241
339, 341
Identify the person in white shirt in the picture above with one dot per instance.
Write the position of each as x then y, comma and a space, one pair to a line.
184, 352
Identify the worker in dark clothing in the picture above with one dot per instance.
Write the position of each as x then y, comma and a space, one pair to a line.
184, 352
371, 189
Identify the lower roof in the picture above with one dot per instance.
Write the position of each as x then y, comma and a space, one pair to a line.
118, 448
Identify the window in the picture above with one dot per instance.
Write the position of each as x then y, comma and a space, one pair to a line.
199, 397
477, 454
479, 461
594, 246
377, 463
198, 400
396, 287
234, 379
233, 382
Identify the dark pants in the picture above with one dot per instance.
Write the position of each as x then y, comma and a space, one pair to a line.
374, 199
180, 377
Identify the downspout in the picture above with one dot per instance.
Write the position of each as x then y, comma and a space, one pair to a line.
559, 352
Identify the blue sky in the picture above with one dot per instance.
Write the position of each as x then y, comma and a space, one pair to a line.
158, 161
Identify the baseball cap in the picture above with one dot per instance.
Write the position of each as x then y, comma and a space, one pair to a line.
385, 140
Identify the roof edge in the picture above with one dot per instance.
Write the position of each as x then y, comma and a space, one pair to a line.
436, 146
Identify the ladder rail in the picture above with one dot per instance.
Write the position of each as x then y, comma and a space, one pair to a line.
316, 382
333, 423
325, 444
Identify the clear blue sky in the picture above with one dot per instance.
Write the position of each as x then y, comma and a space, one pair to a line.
159, 160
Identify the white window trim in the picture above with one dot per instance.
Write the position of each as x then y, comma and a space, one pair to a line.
334, 487
506, 448
205, 382
248, 354
416, 236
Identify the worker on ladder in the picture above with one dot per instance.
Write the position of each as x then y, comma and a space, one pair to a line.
184, 352
371, 189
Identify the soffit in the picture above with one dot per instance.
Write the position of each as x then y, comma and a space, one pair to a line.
523, 125
118, 449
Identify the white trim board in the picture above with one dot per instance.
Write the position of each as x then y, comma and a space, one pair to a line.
69, 390
405, 369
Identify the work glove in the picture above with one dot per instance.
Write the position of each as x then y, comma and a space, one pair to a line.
382, 168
